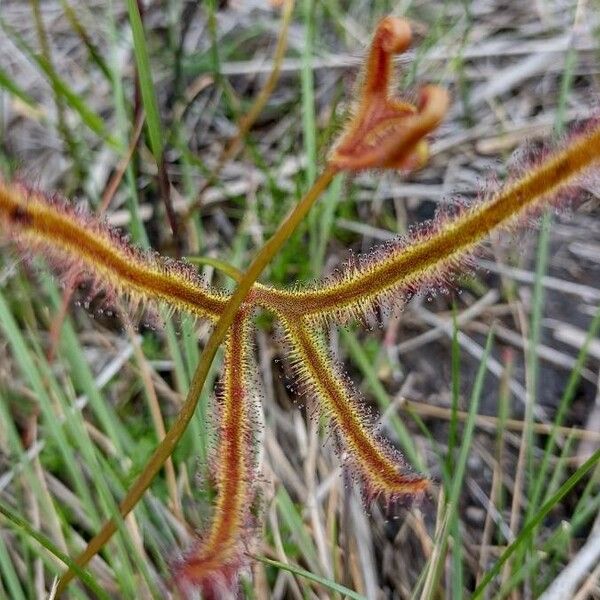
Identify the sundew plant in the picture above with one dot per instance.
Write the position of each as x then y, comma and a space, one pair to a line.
216, 555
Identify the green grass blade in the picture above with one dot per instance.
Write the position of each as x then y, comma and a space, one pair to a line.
327, 583
8, 83
565, 403
308, 93
34, 377
83, 377
455, 381
142, 60
530, 526
138, 231
326, 212
293, 520
451, 511
7, 569
81, 32
21, 524
90, 118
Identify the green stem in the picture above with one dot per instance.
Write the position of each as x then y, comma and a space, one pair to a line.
165, 449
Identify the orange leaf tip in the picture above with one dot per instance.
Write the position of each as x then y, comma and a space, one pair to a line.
387, 132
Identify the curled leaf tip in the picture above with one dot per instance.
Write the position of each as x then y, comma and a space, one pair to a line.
387, 132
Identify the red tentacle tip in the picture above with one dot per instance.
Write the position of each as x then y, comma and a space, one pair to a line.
216, 576
393, 35
387, 132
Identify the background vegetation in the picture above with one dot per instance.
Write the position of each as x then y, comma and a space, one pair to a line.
502, 424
